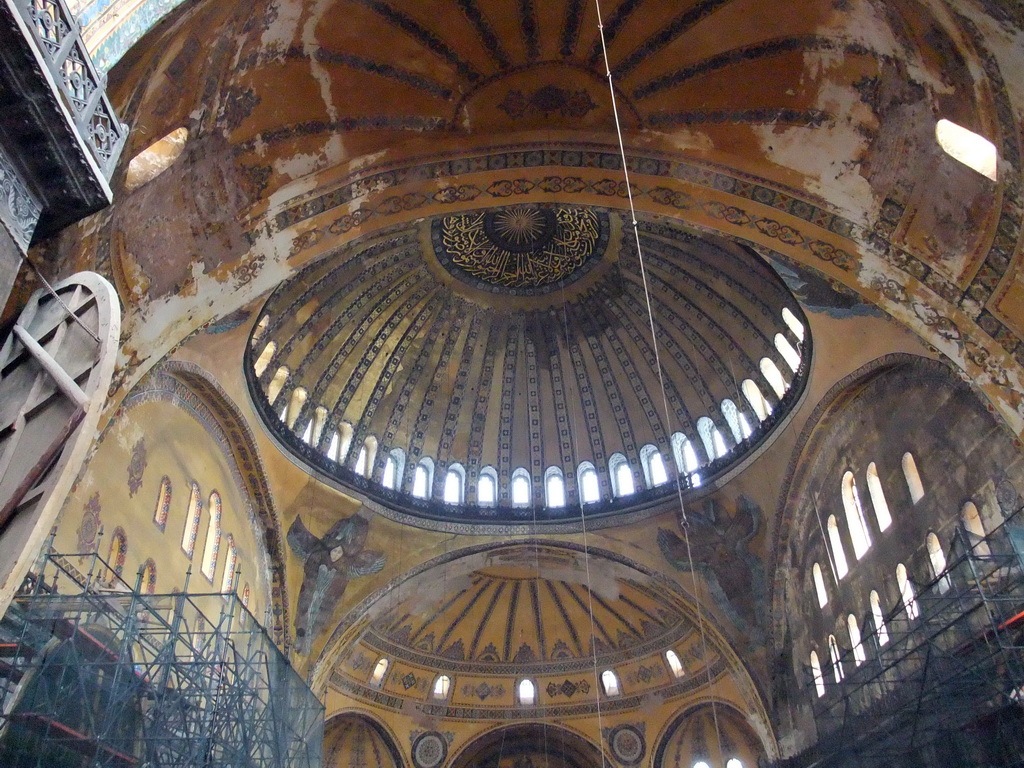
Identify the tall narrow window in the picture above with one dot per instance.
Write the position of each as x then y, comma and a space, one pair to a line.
295, 404
307, 433
761, 407
838, 555
441, 686
793, 323
423, 478
968, 147
859, 656
789, 354
195, 510
276, 384
487, 487
685, 455
675, 666
907, 592
318, 421
819, 681
264, 359
527, 692
163, 503
878, 501
732, 418
975, 530
521, 488
855, 517
773, 376
745, 430
819, 586
714, 443
938, 561
362, 461
610, 683
340, 443
879, 619
227, 582
622, 475
455, 484
389, 478
653, 466
837, 663
149, 576
379, 670
913, 477
118, 554
554, 487
590, 488
212, 548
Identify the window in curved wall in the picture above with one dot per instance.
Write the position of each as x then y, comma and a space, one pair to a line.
423, 478
307, 433
610, 683
714, 443
118, 554
733, 762
653, 466
227, 582
441, 686
527, 692
701, 764
318, 421
334, 446
793, 323
149, 576
788, 352
277, 384
212, 548
838, 555
837, 663
379, 670
675, 666
521, 487
732, 418
745, 430
914, 484
761, 407
362, 461
859, 656
454, 484
819, 586
246, 595
554, 487
590, 488
878, 502
819, 680
341, 442
622, 475
938, 560
155, 159
907, 592
487, 487
855, 517
389, 478
163, 503
264, 359
685, 455
975, 529
195, 510
879, 619
773, 376
968, 147
295, 403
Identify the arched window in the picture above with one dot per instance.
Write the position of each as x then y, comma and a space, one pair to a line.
394, 468
455, 484
732, 418
341, 441
938, 561
264, 359
745, 428
913, 477
878, 618
195, 510
212, 548
527, 692
819, 681
685, 455
622, 475
975, 530
859, 657
837, 664
855, 517
379, 670
423, 478
155, 159
276, 384
118, 554
227, 582
733, 762
653, 465
701, 764
838, 555
968, 147
878, 498
907, 592
675, 666
441, 686
521, 493
761, 407
793, 323
773, 376
307, 433
819, 586
295, 403
714, 443
163, 503
610, 683
487, 487
367, 456
149, 576
789, 354
554, 487
318, 422
590, 488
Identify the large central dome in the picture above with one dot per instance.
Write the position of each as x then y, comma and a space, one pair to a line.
499, 365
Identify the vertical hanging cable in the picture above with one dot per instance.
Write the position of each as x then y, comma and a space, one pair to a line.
684, 522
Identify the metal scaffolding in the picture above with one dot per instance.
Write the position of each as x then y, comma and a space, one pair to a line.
94, 672
945, 686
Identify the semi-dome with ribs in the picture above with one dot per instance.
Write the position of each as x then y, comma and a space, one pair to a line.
499, 364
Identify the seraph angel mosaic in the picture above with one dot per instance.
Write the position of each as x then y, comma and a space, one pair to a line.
329, 563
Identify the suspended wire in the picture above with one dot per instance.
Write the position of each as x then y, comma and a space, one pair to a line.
684, 521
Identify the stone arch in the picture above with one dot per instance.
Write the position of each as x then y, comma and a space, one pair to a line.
713, 731
356, 731
559, 747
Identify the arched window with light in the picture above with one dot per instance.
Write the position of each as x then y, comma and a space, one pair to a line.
773, 376
589, 486
653, 465
838, 555
394, 469
793, 323
737, 422
675, 666
907, 592
879, 618
684, 454
423, 478
758, 402
366, 457
859, 656
521, 488
819, 680
938, 561
788, 352
819, 586
264, 359
878, 502
855, 521
487, 487
277, 384
295, 404
554, 487
379, 670
526, 692
621, 474
837, 663
610, 683
975, 529
455, 484
714, 443
441, 686
913, 477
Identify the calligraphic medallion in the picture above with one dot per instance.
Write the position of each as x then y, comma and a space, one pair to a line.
521, 249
